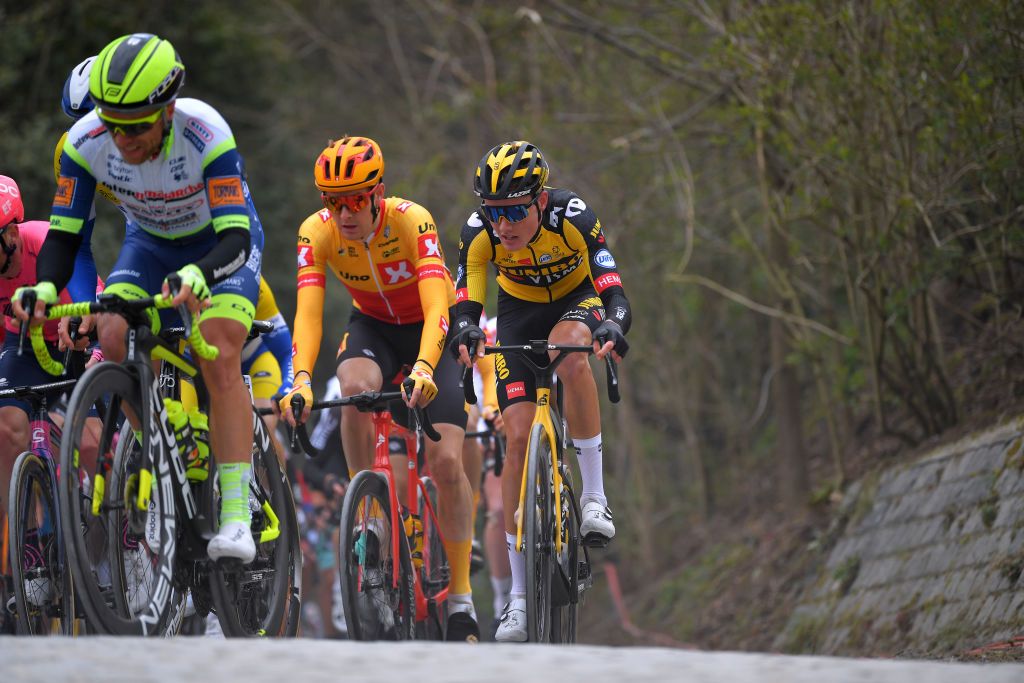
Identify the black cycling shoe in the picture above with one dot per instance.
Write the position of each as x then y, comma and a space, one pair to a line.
462, 627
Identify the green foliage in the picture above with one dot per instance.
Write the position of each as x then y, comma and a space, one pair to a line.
851, 168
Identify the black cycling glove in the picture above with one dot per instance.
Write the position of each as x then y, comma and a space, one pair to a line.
465, 334
610, 331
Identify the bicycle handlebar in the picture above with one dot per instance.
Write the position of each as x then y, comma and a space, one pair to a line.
110, 304
365, 402
539, 346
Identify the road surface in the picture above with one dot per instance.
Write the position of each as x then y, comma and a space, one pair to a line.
188, 660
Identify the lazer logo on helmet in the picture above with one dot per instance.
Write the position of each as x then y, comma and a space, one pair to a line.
513, 195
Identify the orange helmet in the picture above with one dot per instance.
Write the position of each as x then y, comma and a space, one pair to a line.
352, 163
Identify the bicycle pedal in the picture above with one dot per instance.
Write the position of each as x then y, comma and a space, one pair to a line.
593, 540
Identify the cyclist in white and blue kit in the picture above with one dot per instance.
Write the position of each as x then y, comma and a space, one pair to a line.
173, 166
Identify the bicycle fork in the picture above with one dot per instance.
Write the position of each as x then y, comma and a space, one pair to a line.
542, 416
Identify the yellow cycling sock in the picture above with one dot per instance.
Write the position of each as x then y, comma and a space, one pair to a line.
458, 562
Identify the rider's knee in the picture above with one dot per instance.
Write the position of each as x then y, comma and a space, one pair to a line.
111, 337
13, 431
446, 467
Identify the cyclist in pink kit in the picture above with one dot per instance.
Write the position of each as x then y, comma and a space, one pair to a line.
20, 242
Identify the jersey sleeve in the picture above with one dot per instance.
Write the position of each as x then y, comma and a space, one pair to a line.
279, 341
433, 282
225, 188
582, 225
313, 252
475, 252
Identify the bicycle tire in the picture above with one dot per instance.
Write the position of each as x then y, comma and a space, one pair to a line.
122, 593
98, 572
434, 571
253, 600
374, 608
538, 527
565, 609
44, 594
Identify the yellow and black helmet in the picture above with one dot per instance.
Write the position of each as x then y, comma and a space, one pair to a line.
351, 163
511, 169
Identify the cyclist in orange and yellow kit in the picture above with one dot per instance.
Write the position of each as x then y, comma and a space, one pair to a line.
386, 252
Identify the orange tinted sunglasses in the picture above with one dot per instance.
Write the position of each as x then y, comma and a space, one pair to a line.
353, 202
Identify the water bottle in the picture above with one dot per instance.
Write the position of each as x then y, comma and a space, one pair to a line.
199, 468
414, 532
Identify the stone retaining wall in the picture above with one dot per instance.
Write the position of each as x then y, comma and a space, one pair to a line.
931, 557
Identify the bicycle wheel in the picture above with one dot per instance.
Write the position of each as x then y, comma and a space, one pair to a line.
254, 600
565, 591
433, 566
122, 559
130, 583
375, 608
43, 593
538, 527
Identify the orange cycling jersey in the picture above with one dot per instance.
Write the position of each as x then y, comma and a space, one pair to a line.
396, 275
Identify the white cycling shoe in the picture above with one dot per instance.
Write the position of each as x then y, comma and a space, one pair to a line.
596, 520
233, 541
512, 624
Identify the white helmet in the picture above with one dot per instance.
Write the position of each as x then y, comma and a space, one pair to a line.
75, 100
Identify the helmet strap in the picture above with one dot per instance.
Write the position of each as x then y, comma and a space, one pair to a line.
8, 249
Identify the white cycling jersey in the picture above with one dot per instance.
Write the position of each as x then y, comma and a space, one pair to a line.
195, 182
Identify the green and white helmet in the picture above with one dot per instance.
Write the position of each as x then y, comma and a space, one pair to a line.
136, 72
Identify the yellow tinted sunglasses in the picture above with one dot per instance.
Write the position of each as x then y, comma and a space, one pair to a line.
131, 127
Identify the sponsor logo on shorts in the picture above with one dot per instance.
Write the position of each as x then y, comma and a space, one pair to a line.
515, 390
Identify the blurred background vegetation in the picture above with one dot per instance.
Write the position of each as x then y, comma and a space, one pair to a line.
815, 205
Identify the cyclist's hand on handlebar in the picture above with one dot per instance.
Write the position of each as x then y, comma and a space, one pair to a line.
424, 390
194, 292
303, 388
64, 334
468, 336
492, 415
609, 337
45, 293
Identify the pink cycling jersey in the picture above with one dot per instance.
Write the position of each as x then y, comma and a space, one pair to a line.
32, 235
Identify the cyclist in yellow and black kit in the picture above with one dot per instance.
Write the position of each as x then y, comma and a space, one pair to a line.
557, 279
387, 253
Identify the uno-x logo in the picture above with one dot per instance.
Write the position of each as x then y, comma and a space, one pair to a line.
396, 272
430, 246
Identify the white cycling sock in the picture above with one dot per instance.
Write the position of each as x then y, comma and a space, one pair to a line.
461, 602
517, 561
501, 586
588, 453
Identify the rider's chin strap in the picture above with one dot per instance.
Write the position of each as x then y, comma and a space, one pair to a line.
8, 249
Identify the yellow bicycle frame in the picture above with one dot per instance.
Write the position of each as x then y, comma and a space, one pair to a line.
542, 416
